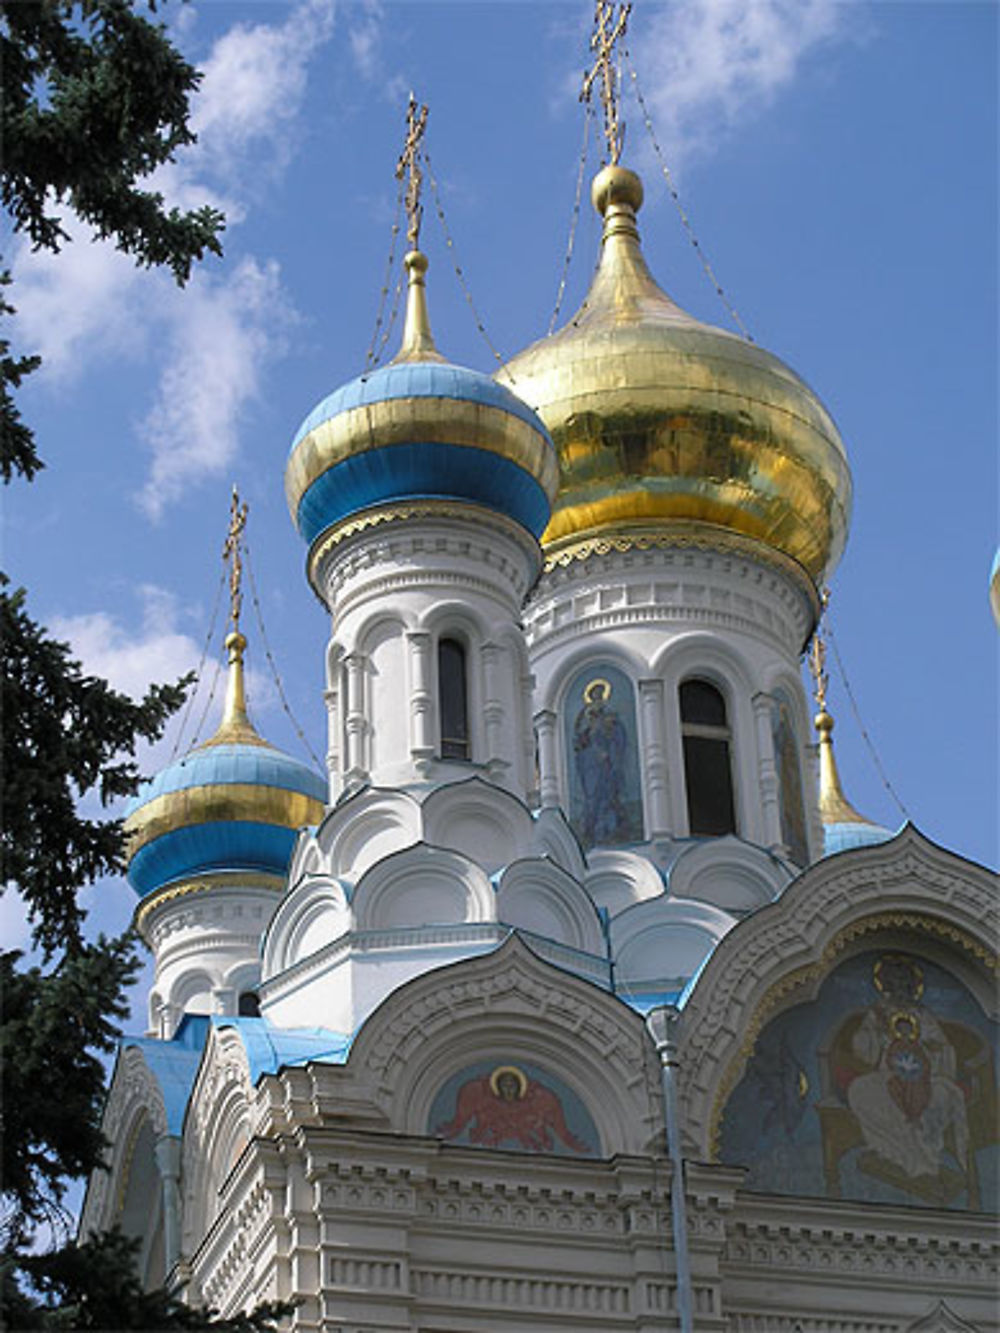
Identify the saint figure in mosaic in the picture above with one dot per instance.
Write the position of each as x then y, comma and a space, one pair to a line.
507, 1107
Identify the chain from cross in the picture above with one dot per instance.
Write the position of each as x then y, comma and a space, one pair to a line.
409, 164
607, 31
231, 553
817, 656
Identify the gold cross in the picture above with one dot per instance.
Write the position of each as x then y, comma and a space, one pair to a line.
409, 162
231, 552
602, 43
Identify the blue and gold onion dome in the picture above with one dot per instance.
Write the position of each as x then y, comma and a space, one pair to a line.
230, 806
661, 421
420, 428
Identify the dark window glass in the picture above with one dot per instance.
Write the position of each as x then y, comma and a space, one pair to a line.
453, 700
702, 703
708, 772
249, 1005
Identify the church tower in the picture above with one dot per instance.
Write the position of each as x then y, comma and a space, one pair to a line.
421, 489
704, 497
208, 841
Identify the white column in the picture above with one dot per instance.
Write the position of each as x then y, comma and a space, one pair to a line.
767, 775
526, 733
168, 1159
548, 777
493, 711
168, 1019
334, 776
355, 724
654, 759
661, 1023
423, 732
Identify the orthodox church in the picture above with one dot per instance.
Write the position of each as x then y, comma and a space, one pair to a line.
574, 994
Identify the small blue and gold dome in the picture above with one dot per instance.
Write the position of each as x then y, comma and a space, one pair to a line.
233, 805
843, 827
420, 428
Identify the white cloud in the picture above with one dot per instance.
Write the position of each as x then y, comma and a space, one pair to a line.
252, 92
90, 303
160, 651
703, 65
130, 659
15, 930
78, 305
223, 334
366, 48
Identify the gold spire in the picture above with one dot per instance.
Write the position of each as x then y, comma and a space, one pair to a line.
418, 341
235, 727
607, 31
834, 807
623, 290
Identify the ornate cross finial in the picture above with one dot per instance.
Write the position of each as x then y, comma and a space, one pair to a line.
607, 31
817, 657
231, 552
409, 163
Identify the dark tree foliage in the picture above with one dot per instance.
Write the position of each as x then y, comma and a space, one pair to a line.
17, 444
92, 1286
64, 734
93, 98
54, 1022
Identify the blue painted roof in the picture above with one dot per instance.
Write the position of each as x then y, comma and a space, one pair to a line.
842, 837
271, 1048
418, 379
256, 765
174, 1063
426, 470
199, 849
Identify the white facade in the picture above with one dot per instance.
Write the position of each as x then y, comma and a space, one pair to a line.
396, 589
321, 1181
206, 946
665, 611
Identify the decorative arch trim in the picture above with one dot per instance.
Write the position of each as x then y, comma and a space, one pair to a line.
442, 1021
906, 884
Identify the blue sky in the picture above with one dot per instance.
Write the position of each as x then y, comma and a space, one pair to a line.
839, 165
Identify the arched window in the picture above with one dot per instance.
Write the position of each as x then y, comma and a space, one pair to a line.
453, 699
708, 772
248, 1005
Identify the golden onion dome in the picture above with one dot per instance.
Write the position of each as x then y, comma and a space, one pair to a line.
659, 418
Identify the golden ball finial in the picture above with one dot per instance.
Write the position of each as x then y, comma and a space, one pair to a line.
823, 723
616, 186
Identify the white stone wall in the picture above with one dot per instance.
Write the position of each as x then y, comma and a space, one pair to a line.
394, 590
205, 939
